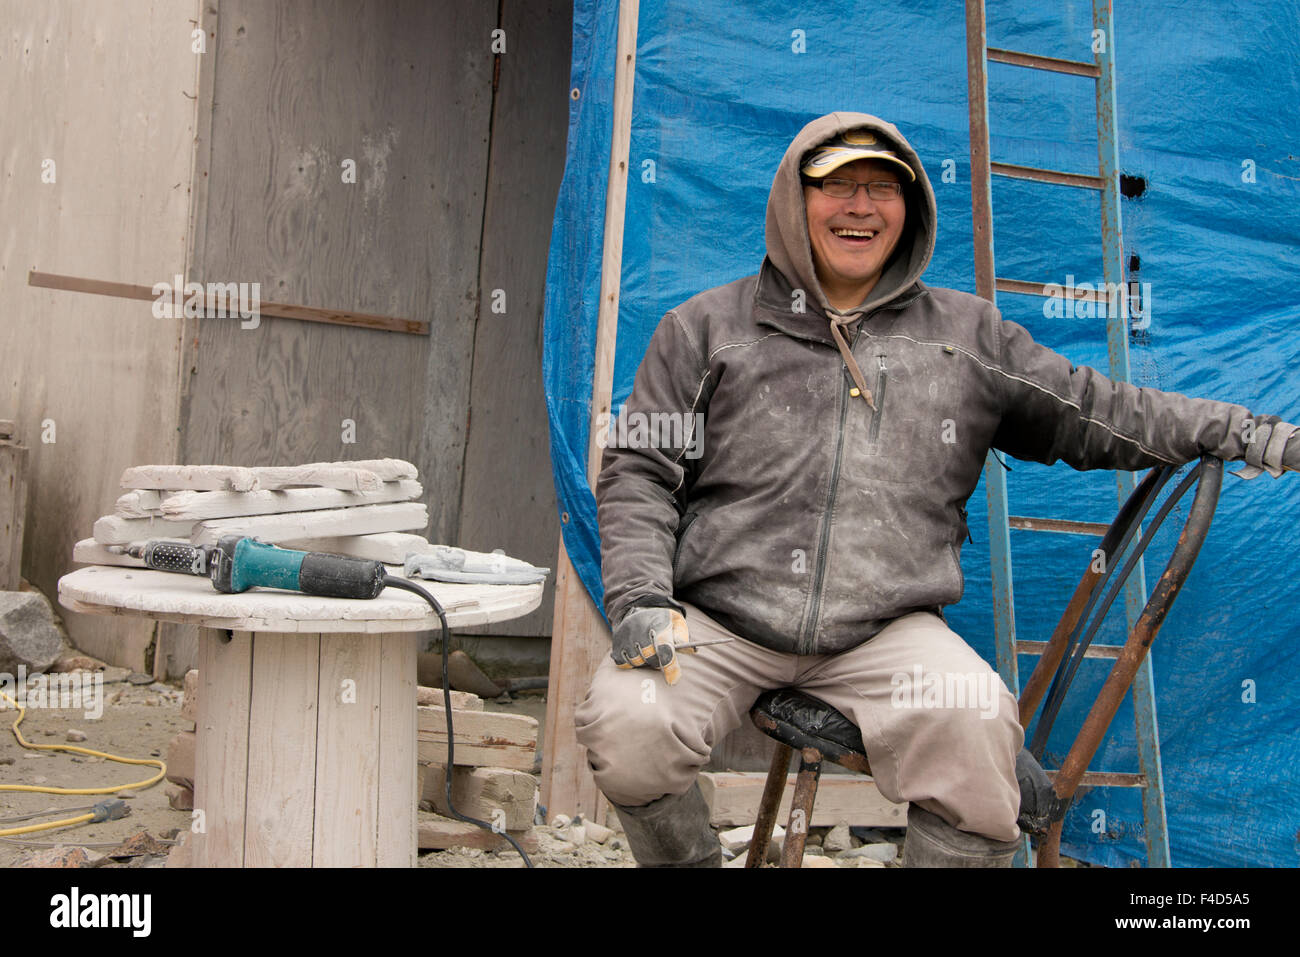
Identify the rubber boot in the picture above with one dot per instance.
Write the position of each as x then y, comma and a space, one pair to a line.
672, 831
933, 842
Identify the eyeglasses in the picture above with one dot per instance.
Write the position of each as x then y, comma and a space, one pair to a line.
880, 191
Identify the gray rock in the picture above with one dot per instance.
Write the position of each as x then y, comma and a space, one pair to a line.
29, 633
837, 839
884, 853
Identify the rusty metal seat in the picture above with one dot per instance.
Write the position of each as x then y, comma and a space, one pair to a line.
797, 720
819, 732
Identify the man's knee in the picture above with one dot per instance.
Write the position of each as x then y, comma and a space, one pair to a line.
635, 749
960, 762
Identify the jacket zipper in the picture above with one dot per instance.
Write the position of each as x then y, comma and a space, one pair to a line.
873, 437
808, 643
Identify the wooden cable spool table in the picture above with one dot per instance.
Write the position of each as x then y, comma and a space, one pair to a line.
306, 732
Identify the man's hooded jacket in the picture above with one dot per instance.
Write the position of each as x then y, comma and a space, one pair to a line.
804, 516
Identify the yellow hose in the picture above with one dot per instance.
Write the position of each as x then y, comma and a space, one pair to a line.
135, 785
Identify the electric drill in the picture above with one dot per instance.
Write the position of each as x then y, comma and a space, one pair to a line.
237, 563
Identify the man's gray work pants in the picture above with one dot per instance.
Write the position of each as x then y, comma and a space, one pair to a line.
940, 728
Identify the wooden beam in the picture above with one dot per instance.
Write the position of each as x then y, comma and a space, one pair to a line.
734, 796
483, 738
578, 637
502, 797
13, 513
439, 833
272, 310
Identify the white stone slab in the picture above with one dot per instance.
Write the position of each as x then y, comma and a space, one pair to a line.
362, 520
112, 530
198, 506
389, 547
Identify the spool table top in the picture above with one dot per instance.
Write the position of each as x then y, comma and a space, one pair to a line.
187, 599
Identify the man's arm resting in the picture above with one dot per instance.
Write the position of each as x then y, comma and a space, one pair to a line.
1054, 410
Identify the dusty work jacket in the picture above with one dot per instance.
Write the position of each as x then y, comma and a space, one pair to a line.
806, 518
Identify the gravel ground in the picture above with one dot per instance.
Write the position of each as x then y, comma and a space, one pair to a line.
137, 722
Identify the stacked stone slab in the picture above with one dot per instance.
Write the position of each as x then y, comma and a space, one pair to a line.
349, 508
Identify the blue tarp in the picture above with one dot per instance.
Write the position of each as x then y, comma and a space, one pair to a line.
1207, 122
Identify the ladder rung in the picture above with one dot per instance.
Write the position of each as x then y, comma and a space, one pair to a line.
1109, 779
1035, 62
1023, 288
1094, 651
1056, 524
1056, 177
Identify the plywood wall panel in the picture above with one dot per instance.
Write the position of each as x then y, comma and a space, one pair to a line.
105, 92
509, 496
402, 88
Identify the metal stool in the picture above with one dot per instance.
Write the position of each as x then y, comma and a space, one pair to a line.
798, 720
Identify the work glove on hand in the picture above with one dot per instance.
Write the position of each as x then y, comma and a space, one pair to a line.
646, 637
1274, 447
1291, 457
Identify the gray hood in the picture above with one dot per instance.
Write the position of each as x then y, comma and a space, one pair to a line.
788, 246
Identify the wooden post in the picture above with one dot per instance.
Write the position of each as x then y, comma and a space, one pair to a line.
306, 751
579, 636
13, 506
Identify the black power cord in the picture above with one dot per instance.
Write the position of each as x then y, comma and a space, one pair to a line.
405, 585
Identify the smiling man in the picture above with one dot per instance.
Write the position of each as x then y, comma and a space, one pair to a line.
848, 409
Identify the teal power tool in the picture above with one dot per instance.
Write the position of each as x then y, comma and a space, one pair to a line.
237, 563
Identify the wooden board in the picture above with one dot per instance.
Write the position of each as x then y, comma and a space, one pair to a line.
460, 700
13, 514
502, 797
576, 641
509, 498
282, 724
217, 306
220, 787
351, 703
439, 833
483, 738
93, 383
734, 798
298, 88
580, 640
197, 506
362, 520
398, 774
